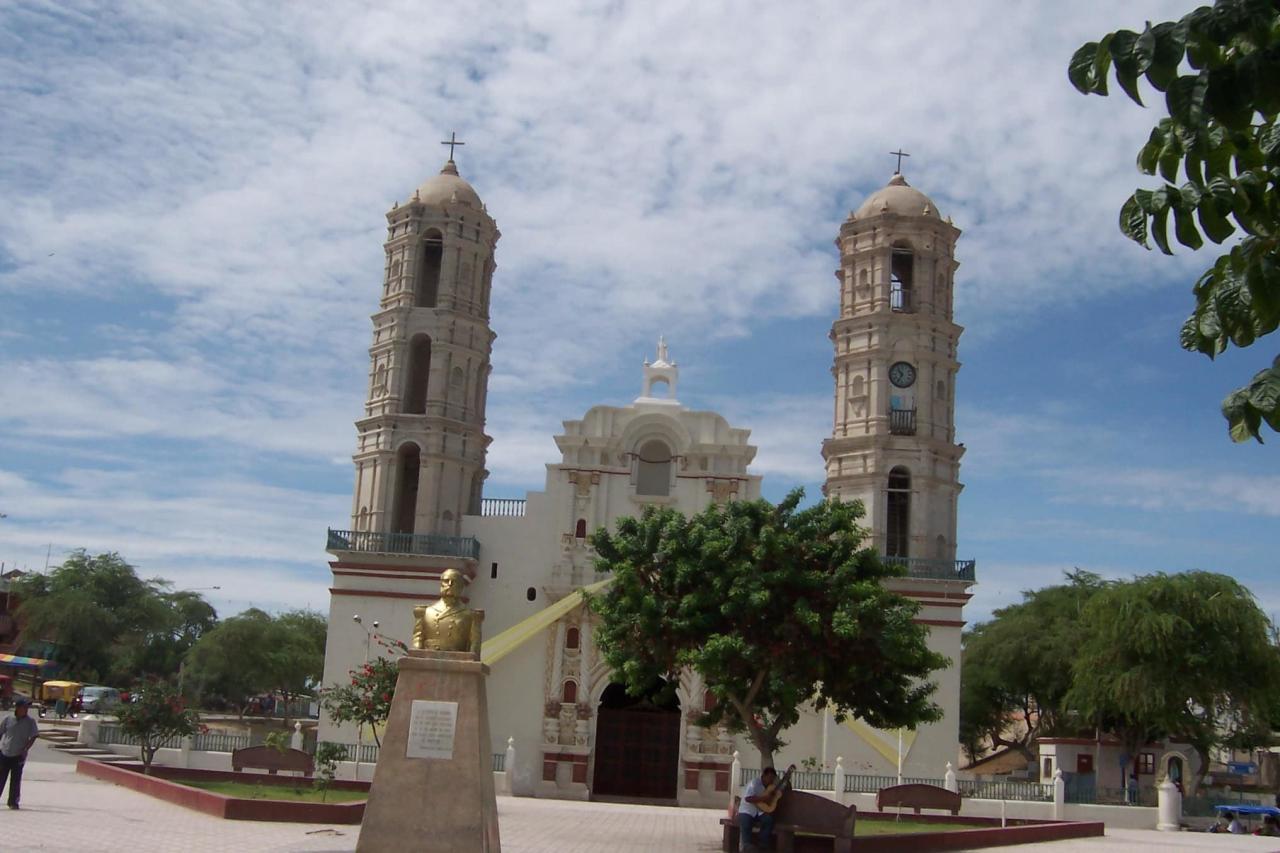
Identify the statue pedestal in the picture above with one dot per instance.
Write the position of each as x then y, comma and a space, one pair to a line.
433, 786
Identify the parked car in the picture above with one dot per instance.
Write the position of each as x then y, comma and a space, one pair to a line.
95, 699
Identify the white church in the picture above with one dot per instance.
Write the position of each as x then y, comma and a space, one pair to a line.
418, 506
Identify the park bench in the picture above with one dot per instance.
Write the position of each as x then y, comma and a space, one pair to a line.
801, 812
917, 796
270, 759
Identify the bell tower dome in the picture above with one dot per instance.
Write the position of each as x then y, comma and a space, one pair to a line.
893, 436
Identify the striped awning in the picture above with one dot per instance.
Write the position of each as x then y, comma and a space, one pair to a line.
17, 660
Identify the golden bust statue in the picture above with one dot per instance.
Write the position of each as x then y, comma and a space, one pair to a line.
448, 625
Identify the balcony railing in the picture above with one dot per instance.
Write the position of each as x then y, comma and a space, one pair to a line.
376, 542
902, 421
502, 507
930, 569
900, 300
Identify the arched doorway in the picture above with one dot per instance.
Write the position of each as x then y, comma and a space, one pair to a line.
637, 750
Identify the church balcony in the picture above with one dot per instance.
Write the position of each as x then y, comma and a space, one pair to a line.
425, 544
502, 507
930, 569
902, 421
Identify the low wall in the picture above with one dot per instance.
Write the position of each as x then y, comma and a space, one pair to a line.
230, 808
1122, 817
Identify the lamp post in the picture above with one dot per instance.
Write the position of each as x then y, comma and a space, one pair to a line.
368, 638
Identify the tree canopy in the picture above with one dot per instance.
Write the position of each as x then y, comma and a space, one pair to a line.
1018, 665
254, 652
1219, 70
773, 606
1187, 656
108, 624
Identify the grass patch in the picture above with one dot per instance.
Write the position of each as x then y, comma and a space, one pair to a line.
248, 791
905, 827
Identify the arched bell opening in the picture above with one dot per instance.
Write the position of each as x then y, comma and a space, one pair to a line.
408, 465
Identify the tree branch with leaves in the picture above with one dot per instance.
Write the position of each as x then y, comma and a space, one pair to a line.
1219, 71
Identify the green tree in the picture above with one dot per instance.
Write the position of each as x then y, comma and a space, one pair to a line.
1186, 655
1017, 667
161, 649
103, 619
773, 606
254, 652
1219, 70
157, 714
366, 700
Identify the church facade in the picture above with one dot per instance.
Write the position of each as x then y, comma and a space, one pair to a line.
418, 507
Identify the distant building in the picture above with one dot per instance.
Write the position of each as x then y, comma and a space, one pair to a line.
418, 506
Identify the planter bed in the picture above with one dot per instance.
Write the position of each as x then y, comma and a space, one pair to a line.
983, 832
165, 784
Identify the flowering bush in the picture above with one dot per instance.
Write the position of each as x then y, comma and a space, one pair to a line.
366, 701
157, 714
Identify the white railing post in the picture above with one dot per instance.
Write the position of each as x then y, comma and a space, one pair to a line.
735, 773
188, 743
509, 765
837, 778
295, 739
88, 732
1059, 795
1170, 806
949, 779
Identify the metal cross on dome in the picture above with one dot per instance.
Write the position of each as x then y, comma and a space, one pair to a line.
452, 141
899, 154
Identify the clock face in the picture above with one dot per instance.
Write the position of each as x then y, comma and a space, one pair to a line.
902, 374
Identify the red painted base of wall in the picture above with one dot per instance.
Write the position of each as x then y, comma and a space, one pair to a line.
987, 832
231, 808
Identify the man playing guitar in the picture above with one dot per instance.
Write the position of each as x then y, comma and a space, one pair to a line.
759, 800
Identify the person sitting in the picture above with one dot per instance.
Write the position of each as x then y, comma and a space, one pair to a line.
749, 814
1222, 823
1235, 827
1270, 827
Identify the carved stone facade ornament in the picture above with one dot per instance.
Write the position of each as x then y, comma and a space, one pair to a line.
583, 481
722, 490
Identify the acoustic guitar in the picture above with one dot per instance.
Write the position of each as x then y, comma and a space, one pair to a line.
768, 801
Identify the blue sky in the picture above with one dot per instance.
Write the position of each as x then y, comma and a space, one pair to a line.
191, 246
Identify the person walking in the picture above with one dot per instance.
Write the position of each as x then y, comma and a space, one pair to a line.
17, 734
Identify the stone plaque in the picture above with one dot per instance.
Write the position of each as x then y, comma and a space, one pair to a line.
431, 729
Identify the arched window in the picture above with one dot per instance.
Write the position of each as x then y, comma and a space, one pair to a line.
653, 474
415, 392
580, 531
424, 295
940, 547
940, 390
407, 466
569, 693
572, 638
901, 274
708, 702
897, 528
858, 388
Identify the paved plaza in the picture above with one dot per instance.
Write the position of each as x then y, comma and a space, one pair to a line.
65, 811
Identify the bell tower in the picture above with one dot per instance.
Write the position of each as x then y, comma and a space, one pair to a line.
893, 436
420, 455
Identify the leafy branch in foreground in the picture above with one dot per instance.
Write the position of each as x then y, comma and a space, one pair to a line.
1219, 70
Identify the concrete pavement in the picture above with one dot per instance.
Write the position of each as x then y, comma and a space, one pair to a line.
64, 811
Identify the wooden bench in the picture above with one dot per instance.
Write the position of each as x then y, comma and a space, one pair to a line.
270, 759
916, 796
800, 811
